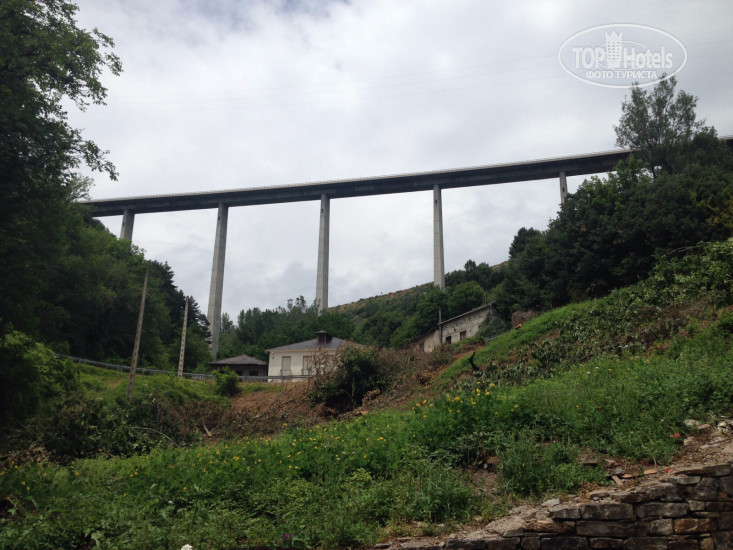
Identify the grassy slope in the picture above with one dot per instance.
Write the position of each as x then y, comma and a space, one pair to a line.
615, 376
110, 385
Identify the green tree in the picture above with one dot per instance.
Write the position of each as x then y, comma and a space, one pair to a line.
463, 298
600, 237
523, 237
378, 328
659, 126
528, 276
257, 330
227, 325
429, 310
45, 60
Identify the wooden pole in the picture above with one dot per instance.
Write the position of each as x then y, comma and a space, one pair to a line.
183, 340
138, 333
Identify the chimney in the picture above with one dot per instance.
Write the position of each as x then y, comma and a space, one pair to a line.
322, 337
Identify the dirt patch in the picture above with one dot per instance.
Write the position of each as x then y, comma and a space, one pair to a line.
269, 412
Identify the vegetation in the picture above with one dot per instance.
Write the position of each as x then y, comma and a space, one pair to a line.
612, 231
342, 384
64, 279
350, 483
227, 384
659, 126
636, 339
93, 309
46, 60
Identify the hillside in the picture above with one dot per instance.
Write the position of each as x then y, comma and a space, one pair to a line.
552, 408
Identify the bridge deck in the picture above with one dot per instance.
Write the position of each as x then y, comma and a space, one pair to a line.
576, 165
400, 183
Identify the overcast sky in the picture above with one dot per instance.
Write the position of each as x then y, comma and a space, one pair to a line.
236, 94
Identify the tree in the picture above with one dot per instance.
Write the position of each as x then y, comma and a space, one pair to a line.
463, 298
523, 237
227, 325
44, 60
659, 126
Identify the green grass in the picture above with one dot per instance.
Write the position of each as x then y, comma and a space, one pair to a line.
645, 359
331, 486
110, 385
508, 343
344, 484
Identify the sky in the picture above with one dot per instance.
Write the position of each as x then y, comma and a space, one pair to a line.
236, 94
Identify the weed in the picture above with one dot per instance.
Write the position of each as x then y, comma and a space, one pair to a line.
618, 375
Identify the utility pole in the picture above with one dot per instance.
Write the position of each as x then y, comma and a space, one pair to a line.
183, 340
138, 333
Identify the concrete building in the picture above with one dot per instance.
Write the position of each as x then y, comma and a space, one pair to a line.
457, 328
243, 365
297, 359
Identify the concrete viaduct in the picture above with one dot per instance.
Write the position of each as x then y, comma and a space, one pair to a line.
325, 191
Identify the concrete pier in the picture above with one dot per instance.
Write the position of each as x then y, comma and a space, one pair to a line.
128, 220
438, 255
563, 187
323, 244
217, 277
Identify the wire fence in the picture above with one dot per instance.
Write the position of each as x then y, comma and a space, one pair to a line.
190, 375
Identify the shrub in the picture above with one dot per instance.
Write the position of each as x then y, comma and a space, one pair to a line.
227, 383
81, 428
30, 375
357, 372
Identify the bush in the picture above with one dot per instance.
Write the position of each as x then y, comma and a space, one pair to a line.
79, 427
30, 375
227, 383
357, 372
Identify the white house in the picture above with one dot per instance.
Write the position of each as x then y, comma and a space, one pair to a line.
297, 359
457, 328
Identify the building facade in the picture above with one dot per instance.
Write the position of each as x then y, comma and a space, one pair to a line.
242, 365
457, 328
298, 359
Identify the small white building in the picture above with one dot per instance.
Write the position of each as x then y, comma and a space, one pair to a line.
297, 359
457, 328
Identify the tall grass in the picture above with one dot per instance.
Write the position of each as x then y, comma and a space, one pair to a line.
344, 484
330, 486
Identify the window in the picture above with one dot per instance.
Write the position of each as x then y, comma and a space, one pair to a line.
254, 373
285, 368
447, 339
463, 335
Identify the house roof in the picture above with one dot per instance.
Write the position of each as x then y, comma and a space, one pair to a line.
480, 308
330, 343
239, 360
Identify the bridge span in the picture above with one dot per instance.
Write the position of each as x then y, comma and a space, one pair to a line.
324, 191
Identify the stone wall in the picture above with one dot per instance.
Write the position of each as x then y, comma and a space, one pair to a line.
690, 509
